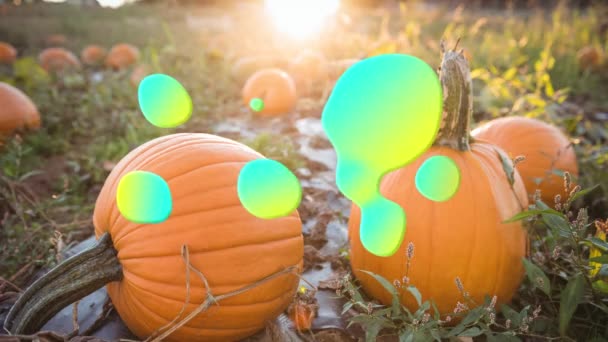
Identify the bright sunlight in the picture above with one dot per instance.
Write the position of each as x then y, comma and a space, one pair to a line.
301, 19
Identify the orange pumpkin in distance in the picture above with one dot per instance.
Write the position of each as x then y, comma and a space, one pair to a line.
308, 66
545, 147
58, 59
8, 54
463, 237
17, 110
122, 56
589, 58
93, 55
276, 89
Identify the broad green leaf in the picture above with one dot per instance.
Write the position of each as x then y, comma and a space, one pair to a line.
571, 296
406, 336
534, 273
507, 166
513, 315
603, 259
347, 307
474, 315
396, 302
599, 243
525, 214
372, 330
414, 291
471, 332
583, 193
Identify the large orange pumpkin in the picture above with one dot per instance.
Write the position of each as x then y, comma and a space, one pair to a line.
8, 53
93, 54
544, 146
17, 110
275, 87
462, 237
58, 59
231, 247
122, 56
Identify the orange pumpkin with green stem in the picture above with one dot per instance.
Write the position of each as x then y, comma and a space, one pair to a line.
547, 150
17, 110
274, 89
122, 56
250, 264
463, 237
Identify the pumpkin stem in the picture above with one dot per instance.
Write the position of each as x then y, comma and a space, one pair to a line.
68, 282
457, 86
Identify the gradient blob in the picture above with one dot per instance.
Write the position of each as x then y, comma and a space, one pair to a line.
256, 104
383, 113
164, 101
438, 178
144, 197
267, 189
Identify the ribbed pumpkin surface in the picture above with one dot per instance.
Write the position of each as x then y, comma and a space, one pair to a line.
230, 246
545, 147
462, 237
17, 111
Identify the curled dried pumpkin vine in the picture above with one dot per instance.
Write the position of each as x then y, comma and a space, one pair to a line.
211, 299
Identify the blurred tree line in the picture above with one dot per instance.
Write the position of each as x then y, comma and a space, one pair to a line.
381, 3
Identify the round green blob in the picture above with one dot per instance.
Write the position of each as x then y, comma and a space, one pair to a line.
144, 197
382, 226
383, 113
164, 101
267, 189
438, 178
256, 104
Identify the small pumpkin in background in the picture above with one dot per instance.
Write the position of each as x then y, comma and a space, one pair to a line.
55, 40
138, 74
589, 58
308, 68
93, 54
463, 237
122, 56
17, 111
545, 147
8, 53
247, 66
144, 265
58, 59
275, 88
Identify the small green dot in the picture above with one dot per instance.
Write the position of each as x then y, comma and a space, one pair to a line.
256, 104
267, 189
143, 197
438, 178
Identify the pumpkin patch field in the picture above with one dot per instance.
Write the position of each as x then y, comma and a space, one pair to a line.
304, 171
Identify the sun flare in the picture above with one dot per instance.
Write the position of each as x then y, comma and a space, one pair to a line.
301, 18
